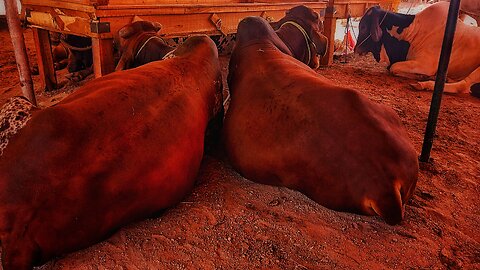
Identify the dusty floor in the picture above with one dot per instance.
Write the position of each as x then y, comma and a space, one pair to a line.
229, 222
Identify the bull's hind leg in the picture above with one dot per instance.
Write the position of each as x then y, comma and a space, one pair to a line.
413, 70
461, 87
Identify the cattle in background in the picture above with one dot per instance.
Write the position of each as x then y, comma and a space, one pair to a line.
468, 7
411, 44
119, 149
300, 30
140, 44
73, 52
288, 126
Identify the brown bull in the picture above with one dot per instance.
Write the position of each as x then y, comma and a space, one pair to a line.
288, 126
300, 30
119, 149
140, 44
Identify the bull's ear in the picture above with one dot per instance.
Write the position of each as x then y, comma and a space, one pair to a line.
375, 30
157, 26
126, 31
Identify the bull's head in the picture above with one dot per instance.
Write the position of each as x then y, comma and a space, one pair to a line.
370, 33
310, 21
128, 42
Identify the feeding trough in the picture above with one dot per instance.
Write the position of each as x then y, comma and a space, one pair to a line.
101, 19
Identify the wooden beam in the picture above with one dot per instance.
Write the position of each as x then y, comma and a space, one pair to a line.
46, 67
330, 25
103, 62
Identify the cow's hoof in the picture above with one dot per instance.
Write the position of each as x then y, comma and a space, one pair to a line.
475, 90
416, 86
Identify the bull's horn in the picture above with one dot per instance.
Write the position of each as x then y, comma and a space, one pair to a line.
137, 19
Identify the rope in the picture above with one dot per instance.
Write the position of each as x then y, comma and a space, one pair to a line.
369, 35
411, 5
145, 44
305, 35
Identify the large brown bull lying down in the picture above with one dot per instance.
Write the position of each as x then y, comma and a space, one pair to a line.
119, 149
300, 30
140, 44
288, 126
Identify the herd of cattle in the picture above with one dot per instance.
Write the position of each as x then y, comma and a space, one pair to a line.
129, 144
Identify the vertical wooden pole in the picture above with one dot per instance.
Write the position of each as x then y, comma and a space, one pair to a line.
102, 56
46, 68
16, 34
330, 27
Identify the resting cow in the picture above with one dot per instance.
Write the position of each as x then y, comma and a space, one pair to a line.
411, 44
300, 30
288, 126
119, 149
140, 44
73, 52
470, 8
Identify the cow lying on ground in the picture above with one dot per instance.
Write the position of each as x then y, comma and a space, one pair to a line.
140, 44
73, 52
468, 7
288, 126
300, 30
119, 149
411, 44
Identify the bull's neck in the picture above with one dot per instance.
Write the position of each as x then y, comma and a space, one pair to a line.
392, 26
297, 45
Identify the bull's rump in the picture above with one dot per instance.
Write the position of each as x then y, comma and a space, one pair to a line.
288, 126
120, 148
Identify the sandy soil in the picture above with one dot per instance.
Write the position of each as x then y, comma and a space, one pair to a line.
228, 222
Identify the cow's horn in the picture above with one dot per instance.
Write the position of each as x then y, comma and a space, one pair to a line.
137, 19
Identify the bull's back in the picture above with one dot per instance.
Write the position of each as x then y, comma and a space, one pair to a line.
291, 127
119, 149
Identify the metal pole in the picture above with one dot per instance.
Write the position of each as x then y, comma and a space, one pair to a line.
16, 34
440, 79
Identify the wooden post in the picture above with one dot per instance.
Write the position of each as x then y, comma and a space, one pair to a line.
46, 67
330, 25
16, 34
103, 62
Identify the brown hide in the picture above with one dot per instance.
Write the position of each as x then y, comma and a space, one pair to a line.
140, 44
309, 20
288, 126
119, 149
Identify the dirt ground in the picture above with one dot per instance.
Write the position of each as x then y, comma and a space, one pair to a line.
228, 222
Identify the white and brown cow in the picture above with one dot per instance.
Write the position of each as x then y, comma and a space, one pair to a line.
288, 126
119, 149
411, 45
